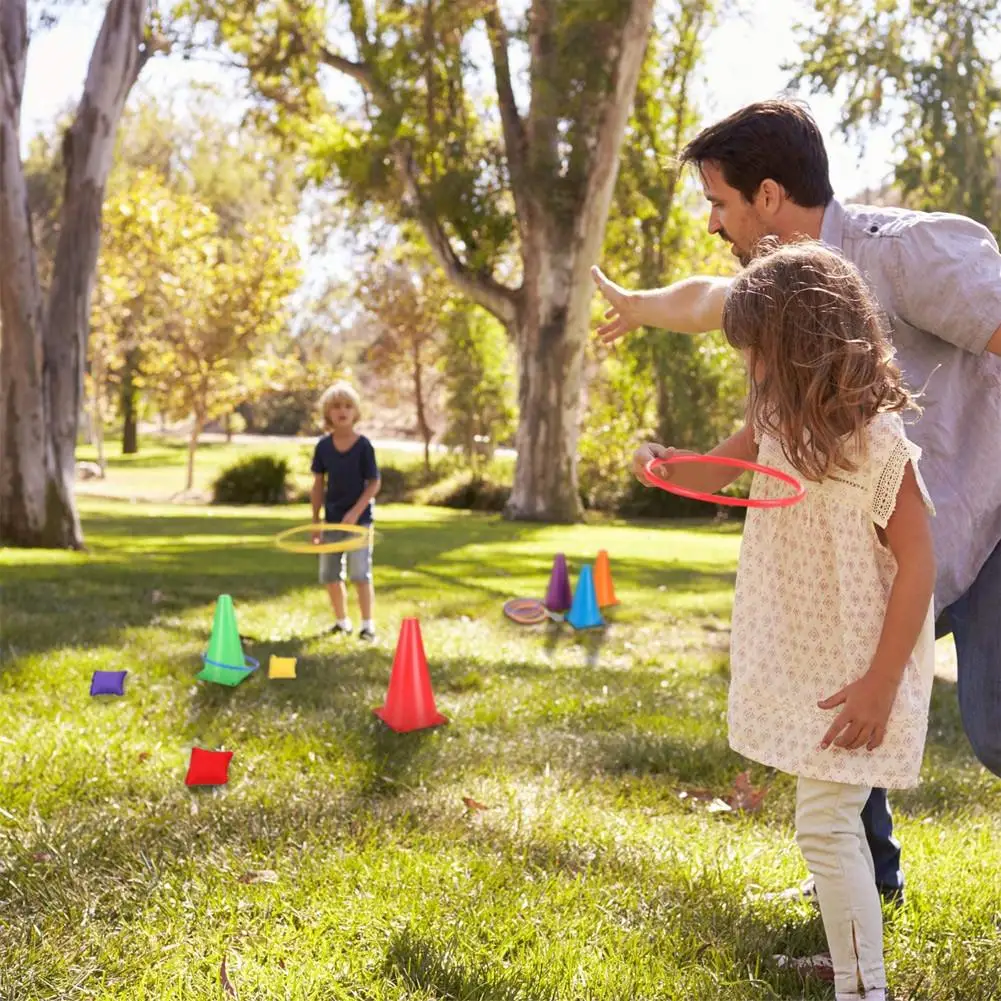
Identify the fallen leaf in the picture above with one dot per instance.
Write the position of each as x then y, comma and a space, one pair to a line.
42, 857
227, 984
144, 755
820, 966
697, 794
259, 876
745, 798
719, 806
471, 804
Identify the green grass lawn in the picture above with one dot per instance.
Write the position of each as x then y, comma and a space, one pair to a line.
588, 876
158, 471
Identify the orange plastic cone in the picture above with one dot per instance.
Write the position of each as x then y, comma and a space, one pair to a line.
409, 701
603, 585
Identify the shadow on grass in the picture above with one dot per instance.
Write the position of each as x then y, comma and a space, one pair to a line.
91, 602
433, 966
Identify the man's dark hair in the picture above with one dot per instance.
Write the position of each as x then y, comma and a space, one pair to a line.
772, 139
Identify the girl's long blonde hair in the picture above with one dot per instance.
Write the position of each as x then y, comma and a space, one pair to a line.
819, 358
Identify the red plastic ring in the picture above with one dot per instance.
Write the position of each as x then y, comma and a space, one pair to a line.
720, 460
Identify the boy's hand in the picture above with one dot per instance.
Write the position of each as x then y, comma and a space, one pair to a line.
622, 312
317, 536
351, 518
862, 723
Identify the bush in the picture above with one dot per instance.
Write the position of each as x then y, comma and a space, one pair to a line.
395, 486
258, 479
639, 501
468, 491
281, 412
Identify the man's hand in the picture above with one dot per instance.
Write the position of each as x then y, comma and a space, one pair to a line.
862, 723
621, 316
642, 455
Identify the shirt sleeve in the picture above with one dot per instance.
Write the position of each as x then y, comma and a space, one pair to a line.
369, 467
890, 452
317, 466
948, 280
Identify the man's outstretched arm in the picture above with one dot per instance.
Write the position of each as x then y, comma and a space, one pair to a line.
691, 306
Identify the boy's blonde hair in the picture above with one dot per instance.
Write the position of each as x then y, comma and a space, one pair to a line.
807, 315
339, 391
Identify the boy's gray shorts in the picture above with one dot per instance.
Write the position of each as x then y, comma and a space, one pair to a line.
359, 561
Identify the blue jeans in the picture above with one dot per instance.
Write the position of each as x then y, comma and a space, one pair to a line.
975, 623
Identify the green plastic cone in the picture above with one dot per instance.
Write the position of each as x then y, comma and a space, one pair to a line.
224, 660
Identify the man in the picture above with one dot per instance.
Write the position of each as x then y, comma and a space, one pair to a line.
764, 172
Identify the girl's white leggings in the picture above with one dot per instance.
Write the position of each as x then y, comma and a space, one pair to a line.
830, 834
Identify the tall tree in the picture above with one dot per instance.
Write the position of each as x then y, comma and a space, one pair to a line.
44, 346
407, 299
657, 234
196, 294
930, 62
512, 192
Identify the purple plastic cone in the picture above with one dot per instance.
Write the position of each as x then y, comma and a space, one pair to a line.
558, 597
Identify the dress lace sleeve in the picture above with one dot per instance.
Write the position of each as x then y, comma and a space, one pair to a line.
891, 451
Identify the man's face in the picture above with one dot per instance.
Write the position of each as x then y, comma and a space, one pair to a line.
732, 217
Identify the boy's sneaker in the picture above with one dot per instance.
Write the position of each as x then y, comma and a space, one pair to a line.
366, 634
338, 628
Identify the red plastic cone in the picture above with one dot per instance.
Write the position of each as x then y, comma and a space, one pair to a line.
409, 701
603, 585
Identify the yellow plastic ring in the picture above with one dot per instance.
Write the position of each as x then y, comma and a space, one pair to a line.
358, 537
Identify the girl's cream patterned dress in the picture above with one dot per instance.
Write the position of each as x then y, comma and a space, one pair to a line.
812, 589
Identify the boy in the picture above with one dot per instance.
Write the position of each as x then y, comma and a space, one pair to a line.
346, 461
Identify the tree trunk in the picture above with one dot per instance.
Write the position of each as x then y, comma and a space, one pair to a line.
553, 320
97, 415
227, 426
422, 422
129, 400
45, 349
31, 512
197, 422
550, 359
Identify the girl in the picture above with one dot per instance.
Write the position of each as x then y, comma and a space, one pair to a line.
832, 648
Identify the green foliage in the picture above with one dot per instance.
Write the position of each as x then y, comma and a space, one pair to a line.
479, 384
619, 415
395, 484
407, 298
681, 390
468, 491
932, 62
257, 479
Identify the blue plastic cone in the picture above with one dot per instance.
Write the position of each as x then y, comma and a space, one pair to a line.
584, 613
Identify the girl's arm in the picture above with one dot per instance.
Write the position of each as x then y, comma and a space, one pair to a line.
697, 476
868, 701
691, 306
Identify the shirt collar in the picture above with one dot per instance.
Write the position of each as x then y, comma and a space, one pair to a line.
832, 227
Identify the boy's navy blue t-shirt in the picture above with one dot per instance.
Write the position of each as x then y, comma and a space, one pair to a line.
346, 474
